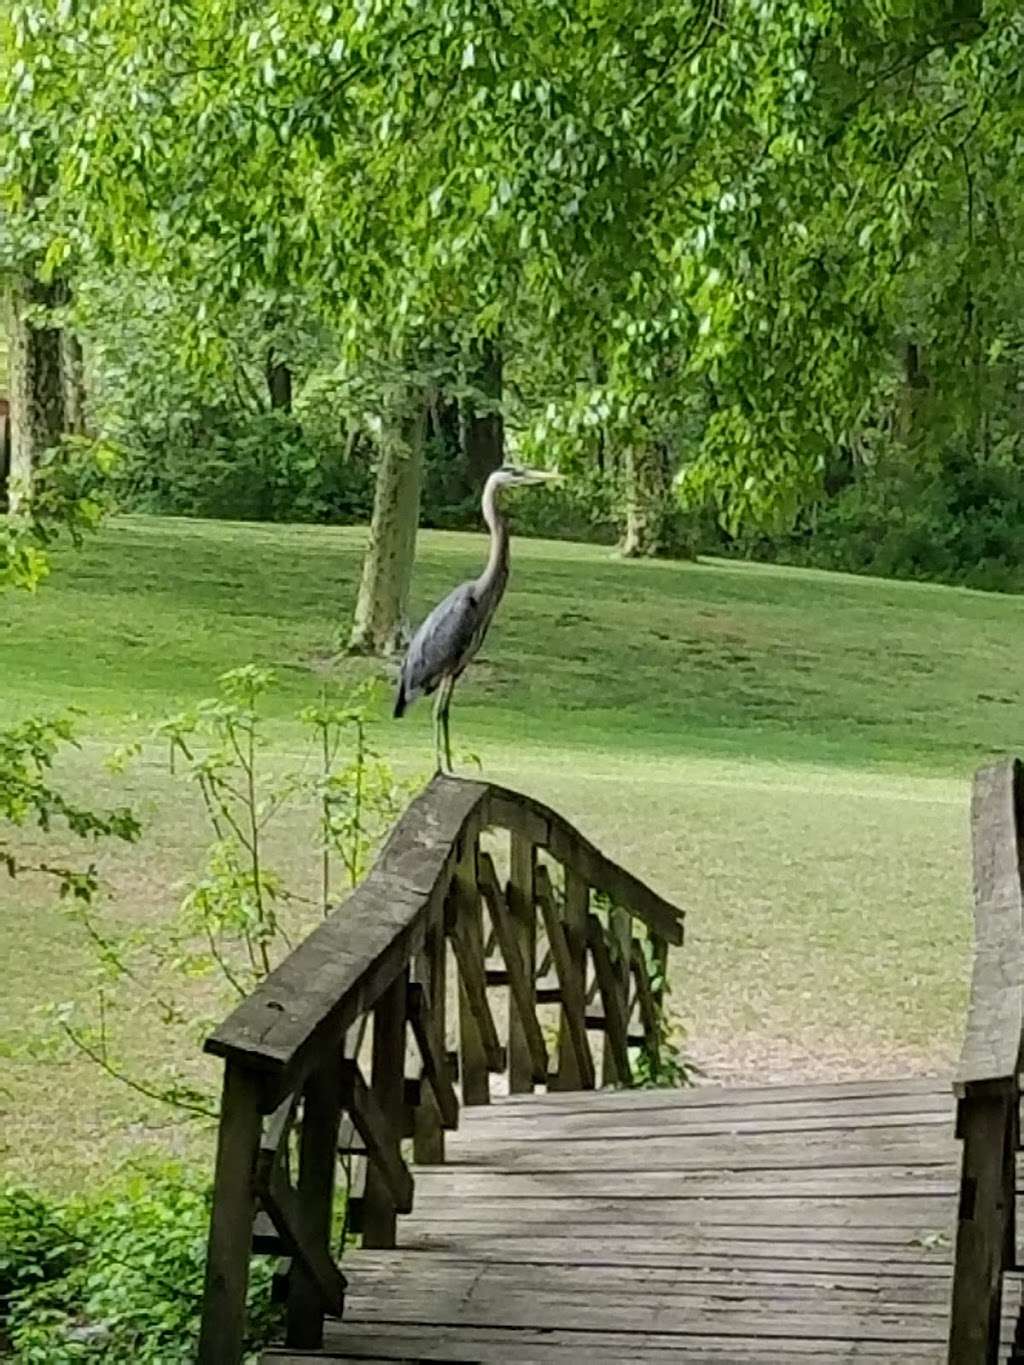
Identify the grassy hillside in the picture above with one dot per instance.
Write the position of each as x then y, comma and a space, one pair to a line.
782, 752
617, 657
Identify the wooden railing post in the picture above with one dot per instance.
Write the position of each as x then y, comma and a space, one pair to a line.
651, 1019
465, 925
987, 1079
574, 917
620, 934
387, 1081
659, 954
428, 1130
222, 1334
524, 915
987, 1194
318, 1154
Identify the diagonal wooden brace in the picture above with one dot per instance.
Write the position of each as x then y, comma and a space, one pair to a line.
382, 1145
518, 982
435, 1062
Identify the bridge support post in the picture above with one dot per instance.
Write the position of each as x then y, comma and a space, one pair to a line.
318, 1155
466, 920
388, 1082
431, 971
524, 916
577, 908
985, 1228
222, 1333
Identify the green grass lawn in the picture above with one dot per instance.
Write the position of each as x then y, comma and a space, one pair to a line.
785, 753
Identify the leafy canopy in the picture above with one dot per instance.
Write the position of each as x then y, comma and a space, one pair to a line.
665, 206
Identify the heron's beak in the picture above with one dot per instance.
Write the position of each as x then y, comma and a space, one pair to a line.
535, 476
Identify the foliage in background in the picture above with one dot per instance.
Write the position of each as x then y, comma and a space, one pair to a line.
240, 915
71, 494
723, 217
757, 237
114, 1274
186, 398
950, 516
117, 1275
28, 799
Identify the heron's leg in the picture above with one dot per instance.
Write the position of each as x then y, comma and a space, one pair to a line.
438, 701
442, 700
444, 722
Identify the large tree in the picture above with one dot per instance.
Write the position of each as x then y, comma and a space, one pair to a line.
36, 382
725, 205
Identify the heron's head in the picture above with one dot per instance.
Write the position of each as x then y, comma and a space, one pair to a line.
515, 476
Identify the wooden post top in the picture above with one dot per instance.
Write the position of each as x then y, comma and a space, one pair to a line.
991, 1052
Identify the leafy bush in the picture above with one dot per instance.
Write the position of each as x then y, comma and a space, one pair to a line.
115, 1275
34, 1246
244, 466
952, 517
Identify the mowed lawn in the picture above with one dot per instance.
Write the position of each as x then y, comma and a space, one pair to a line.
784, 753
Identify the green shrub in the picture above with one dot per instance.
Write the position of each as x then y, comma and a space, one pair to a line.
954, 517
242, 466
115, 1275
34, 1245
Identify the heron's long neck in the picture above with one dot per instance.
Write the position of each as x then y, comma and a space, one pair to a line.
497, 561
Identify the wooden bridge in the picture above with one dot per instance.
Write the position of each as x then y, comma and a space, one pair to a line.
494, 953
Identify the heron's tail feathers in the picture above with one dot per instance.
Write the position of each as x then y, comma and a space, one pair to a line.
401, 702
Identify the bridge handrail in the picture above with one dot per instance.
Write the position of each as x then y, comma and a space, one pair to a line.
987, 1079
294, 1048
341, 969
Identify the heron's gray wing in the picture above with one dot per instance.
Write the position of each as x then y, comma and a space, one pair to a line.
443, 642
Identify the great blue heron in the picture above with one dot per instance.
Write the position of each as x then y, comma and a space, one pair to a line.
453, 632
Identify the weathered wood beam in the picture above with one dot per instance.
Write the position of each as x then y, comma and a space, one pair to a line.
480, 1045
985, 1220
428, 1120
991, 1049
379, 1138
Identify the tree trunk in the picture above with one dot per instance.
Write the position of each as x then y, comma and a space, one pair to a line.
72, 366
912, 395
279, 382
485, 431
647, 494
36, 383
380, 625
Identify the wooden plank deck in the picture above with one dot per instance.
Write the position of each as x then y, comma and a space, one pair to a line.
811, 1224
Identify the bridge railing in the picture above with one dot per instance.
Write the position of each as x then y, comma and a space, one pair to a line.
344, 1048
987, 1082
